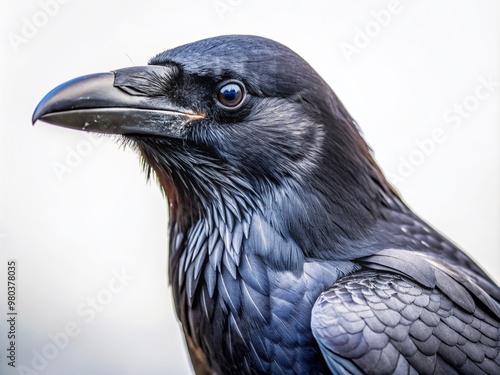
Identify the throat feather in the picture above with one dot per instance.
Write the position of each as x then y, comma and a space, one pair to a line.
211, 246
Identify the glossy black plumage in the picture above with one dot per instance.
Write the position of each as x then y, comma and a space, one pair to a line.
289, 250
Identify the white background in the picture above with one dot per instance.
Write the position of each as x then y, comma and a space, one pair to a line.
68, 232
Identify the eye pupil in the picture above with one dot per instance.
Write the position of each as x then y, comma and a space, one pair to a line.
230, 95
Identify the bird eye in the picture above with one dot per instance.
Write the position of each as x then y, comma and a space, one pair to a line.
231, 94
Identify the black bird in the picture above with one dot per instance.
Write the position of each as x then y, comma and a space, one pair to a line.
289, 250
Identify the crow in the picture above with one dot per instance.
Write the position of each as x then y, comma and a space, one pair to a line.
290, 252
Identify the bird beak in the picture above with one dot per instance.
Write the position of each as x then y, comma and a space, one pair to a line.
119, 102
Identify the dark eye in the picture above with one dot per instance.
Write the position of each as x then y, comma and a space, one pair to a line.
231, 94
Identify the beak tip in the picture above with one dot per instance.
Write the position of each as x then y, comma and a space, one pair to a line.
34, 118
38, 113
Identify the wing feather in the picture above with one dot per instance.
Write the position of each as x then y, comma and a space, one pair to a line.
384, 322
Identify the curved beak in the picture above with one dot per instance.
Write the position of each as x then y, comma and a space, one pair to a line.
120, 102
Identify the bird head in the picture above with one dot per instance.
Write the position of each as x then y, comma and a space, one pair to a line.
241, 117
